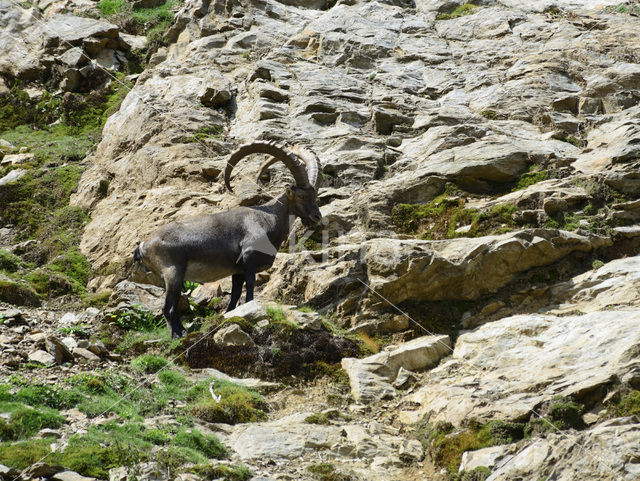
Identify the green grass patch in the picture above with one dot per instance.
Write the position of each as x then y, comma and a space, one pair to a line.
203, 133
24, 421
135, 341
440, 218
629, 405
530, 178
18, 293
23, 454
326, 472
478, 474
150, 21
237, 404
9, 262
149, 363
223, 472
446, 445
208, 445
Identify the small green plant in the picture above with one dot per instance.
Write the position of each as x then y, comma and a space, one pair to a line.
326, 472
460, 11
580, 143
276, 314
24, 421
478, 474
530, 178
223, 472
9, 262
18, 293
629, 405
79, 330
325, 418
441, 218
188, 287
246, 54
597, 264
99, 299
209, 445
489, 114
213, 131
23, 454
135, 318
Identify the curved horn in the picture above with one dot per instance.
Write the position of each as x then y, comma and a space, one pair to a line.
273, 149
310, 159
312, 163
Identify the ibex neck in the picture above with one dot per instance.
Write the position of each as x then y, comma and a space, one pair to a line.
279, 208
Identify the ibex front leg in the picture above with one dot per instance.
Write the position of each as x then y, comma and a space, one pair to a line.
173, 279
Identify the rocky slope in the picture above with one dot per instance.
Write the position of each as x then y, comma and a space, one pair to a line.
480, 196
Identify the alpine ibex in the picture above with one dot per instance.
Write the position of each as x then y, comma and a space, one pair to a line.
239, 242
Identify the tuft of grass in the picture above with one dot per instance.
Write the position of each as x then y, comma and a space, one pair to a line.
24, 421
460, 11
18, 293
530, 178
478, 474
326, 472
152, 21
212, 131
208, 445
9, 262
597, 264
149, 363
629, 405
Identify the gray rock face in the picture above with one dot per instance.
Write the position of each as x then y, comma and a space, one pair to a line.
521, 361
605, 452
399, 270
35, 47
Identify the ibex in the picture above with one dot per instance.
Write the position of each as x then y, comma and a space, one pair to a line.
239, 242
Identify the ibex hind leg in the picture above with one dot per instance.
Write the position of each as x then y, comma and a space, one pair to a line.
173, 285
237, 280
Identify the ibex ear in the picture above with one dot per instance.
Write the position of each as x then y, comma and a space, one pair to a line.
289, 193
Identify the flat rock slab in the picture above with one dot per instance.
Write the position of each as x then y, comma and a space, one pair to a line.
69, 28
371, 378
272, 441
504, 369
252, 311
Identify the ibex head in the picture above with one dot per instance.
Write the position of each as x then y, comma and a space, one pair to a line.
303, 164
